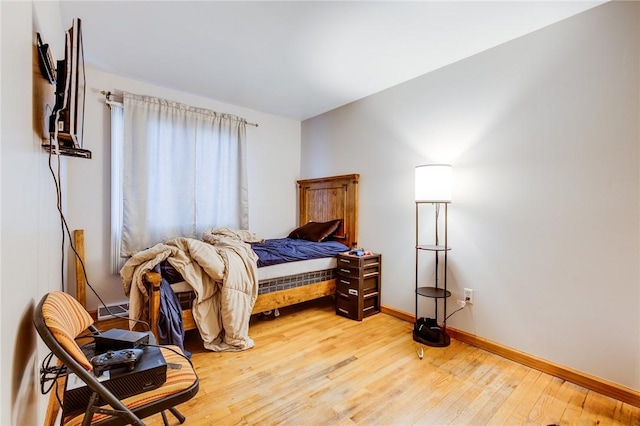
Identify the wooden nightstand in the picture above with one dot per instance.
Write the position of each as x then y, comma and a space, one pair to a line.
358, 285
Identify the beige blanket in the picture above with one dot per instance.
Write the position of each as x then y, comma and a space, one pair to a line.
223, 275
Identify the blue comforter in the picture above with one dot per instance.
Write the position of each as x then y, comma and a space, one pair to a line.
281, 250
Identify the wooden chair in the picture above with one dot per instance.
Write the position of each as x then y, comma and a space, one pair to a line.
60, 320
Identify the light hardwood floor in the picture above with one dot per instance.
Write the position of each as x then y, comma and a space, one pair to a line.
312, 367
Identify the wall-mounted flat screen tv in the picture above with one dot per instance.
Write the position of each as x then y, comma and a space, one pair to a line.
66, 122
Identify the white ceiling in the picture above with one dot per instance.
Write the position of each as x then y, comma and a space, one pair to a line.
296, 59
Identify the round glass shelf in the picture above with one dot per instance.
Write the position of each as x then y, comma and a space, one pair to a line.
434, 292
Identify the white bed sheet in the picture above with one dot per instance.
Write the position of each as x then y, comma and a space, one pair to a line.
280, 270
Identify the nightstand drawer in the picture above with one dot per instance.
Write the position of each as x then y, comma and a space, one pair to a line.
345, 260
358, 273
356, 306
347, 305
354, 286
371, 305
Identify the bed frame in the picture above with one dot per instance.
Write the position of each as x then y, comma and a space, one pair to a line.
320, 200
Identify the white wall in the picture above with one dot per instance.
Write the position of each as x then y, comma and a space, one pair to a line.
273, 157
543, 135
30, 263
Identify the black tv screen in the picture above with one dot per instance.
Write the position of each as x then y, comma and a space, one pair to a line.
66, 122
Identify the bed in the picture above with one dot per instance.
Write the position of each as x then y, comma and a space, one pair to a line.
320, 200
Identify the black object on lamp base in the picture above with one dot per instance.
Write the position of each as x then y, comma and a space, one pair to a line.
427, 332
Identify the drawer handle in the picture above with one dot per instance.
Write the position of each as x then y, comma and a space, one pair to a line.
345, 261
345, 271
345, 282
353, 292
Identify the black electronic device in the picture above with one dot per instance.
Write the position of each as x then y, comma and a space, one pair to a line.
66, 122
149, 372
116, 338
112, 360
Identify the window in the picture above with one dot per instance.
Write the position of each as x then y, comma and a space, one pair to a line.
176, 171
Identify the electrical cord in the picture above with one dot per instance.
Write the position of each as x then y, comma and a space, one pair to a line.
53, 142
66, 232
457, 310
49, 373
46, 370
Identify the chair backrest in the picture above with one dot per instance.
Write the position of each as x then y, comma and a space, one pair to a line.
66, 318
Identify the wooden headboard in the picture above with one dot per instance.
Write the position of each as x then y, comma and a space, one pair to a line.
328, 198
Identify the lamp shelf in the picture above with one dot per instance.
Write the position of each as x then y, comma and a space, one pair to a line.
433, 247
433, 292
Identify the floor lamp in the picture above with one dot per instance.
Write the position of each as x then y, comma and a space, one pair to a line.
433, 185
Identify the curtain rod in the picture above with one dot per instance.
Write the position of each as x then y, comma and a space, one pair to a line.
108, 95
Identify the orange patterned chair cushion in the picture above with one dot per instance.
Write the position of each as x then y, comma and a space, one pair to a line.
67, 318
178, 379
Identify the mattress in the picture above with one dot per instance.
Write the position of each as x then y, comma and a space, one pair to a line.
283, 274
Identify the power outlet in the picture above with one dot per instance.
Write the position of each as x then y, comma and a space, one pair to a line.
468, 295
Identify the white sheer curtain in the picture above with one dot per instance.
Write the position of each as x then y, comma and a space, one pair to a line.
184, 170
117, 134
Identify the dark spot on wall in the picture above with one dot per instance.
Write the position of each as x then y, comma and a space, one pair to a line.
23, 371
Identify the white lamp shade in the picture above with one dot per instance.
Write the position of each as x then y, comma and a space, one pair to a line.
433, 183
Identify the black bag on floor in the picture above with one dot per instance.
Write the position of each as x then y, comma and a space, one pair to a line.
428, 329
